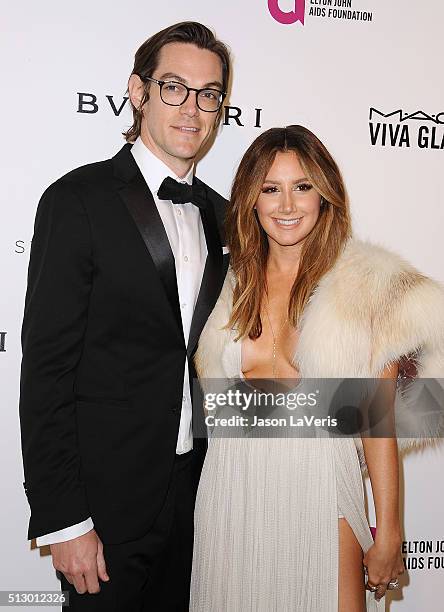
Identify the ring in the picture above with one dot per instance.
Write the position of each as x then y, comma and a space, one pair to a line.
371, 587
393, 584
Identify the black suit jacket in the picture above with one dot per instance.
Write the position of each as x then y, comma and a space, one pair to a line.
104, 351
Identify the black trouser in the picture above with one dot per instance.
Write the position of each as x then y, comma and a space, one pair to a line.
151, 574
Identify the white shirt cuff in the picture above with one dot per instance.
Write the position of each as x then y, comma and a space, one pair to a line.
69, 533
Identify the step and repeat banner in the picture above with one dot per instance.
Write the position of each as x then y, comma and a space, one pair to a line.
364, 75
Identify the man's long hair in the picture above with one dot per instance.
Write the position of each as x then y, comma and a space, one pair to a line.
147, 59
248, 241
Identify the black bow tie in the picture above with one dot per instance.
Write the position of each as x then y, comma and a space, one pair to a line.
180, 193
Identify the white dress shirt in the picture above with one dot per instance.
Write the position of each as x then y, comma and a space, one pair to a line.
184, 229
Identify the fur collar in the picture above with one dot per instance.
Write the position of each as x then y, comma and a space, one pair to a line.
370, 310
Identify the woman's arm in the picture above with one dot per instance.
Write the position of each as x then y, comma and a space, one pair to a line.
383, 559
382, 459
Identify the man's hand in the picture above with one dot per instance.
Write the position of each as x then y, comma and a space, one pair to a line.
82, 562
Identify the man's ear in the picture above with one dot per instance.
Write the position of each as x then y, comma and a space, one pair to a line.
136, 90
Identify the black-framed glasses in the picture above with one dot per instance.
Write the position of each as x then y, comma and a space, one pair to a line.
174, 93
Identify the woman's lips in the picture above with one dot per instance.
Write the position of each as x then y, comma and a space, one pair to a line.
288, 223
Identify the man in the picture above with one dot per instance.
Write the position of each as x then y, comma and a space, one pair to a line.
126, 265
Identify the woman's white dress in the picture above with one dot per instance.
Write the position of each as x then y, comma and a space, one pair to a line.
266, 519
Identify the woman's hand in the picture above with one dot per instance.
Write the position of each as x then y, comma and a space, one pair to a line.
384, 563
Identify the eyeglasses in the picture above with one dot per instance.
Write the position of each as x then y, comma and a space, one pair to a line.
174, 93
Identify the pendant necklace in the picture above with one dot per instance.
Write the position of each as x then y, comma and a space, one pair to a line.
275, 337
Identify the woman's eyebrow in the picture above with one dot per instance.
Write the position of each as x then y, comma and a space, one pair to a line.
277, 182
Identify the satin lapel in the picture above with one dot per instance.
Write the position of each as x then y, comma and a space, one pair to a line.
141, 205
212, 279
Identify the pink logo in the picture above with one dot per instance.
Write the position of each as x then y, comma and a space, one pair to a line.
287, 17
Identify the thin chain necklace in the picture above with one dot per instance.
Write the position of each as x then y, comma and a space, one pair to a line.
275, 337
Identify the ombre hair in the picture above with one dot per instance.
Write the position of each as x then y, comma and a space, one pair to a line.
248, 242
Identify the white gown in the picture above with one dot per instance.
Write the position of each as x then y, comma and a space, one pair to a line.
266, 518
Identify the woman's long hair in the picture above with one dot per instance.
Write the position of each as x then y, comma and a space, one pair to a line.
248, 242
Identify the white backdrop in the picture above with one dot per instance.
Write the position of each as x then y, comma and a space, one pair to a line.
326, 74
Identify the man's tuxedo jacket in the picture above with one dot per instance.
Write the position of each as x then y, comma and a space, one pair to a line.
104, 351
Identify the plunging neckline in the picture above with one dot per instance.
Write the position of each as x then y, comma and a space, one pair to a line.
241, 373
246, 379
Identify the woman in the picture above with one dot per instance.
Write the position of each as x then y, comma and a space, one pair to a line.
280, 523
